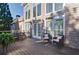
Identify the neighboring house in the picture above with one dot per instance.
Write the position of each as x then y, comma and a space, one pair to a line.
72, 24
21, 24
17, 26
55, 18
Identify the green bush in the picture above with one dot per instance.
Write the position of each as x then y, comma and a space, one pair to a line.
6, 39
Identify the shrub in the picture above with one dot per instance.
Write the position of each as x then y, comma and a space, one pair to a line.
6, 39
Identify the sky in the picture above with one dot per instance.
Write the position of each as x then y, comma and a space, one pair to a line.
16, 9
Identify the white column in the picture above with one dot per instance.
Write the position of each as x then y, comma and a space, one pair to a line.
64, 24
53, 7
37, 30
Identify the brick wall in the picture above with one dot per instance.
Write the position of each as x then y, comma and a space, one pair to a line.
72, 25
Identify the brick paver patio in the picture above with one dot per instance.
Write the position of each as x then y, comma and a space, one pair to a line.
30, 47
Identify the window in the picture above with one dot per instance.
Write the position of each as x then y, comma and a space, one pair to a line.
27, 26
58, 27
58, 6
28, 14
48, 25
34, 11
39, 29
35, 28
39, 9
49, 7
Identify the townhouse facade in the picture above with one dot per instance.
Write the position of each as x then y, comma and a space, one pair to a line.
54, 18
41, 17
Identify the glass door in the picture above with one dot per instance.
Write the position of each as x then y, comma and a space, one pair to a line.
48, 25
58, 27
35, 29
39, 29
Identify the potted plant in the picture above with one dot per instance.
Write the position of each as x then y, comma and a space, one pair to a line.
5, 40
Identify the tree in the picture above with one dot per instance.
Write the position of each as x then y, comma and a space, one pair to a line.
5, 16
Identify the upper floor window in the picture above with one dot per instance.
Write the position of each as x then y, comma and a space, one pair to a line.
39, 9
34, 11
33, 4
28, 14
58, 6
49, 7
